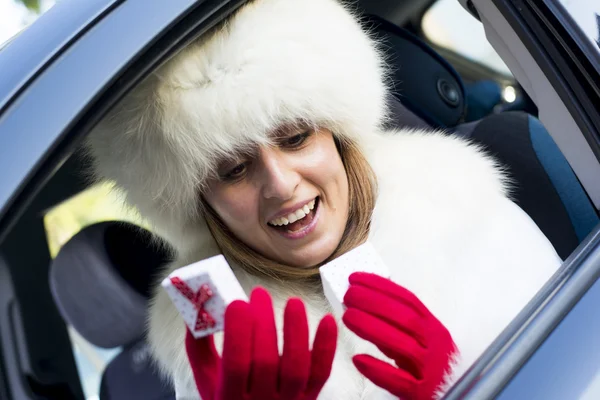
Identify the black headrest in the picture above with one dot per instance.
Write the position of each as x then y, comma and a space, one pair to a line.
101, 281
421, 79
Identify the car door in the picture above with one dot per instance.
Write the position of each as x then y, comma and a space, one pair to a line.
59, 76
551, 350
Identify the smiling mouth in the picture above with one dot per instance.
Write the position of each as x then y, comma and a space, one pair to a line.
297, 221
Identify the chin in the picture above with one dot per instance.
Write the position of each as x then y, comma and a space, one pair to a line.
312, 255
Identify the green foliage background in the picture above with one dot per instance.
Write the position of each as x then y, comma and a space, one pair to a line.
96, 204
33, 5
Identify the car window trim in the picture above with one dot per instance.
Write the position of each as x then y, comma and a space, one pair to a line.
568, 356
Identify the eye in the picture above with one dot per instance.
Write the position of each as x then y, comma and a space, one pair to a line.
235, 173
296, 140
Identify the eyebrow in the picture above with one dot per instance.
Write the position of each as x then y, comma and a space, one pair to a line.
287, 128
236, 155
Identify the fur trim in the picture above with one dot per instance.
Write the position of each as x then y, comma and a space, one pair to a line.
273, 62
456, 370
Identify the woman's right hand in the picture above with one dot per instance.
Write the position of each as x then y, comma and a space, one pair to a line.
251, 367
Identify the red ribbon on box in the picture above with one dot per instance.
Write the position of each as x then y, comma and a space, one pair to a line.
204, 320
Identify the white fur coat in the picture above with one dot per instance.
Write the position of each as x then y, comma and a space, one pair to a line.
446, 229
442, 222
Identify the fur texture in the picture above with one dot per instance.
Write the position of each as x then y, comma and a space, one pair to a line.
442, 223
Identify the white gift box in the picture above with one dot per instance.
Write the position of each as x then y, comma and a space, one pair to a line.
335, 274
201, 292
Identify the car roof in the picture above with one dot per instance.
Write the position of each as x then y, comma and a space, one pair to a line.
49, 36
55, 30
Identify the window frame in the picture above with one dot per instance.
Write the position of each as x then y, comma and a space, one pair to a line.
561, 58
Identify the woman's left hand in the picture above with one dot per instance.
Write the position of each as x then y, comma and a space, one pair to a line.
395, 320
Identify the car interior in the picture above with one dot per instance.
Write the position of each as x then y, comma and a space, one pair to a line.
99, 283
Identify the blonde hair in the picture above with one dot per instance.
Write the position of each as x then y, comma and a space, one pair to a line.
362, 193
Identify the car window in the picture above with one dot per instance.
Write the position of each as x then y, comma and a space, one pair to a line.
448, 25
96, 204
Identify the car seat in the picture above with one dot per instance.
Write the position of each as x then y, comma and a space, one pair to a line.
424, 85
101, 281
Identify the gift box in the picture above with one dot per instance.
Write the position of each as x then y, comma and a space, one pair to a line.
335, 274
201, 292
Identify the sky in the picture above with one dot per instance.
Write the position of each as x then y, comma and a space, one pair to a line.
583, 12
14, 17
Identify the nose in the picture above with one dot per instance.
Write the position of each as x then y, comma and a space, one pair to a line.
279, 177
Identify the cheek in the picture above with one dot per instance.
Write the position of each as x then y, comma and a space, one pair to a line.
235, 207
325, 168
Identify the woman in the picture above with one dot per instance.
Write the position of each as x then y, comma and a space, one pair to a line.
277, 110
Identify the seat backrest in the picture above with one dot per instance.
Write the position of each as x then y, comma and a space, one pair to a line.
131, 375
101, 281
420, 78
543, 184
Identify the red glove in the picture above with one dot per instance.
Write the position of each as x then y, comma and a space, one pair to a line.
395, 320
251, 368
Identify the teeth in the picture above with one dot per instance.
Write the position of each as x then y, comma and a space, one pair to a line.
295, 216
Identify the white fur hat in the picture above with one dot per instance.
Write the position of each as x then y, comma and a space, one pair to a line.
273, 62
